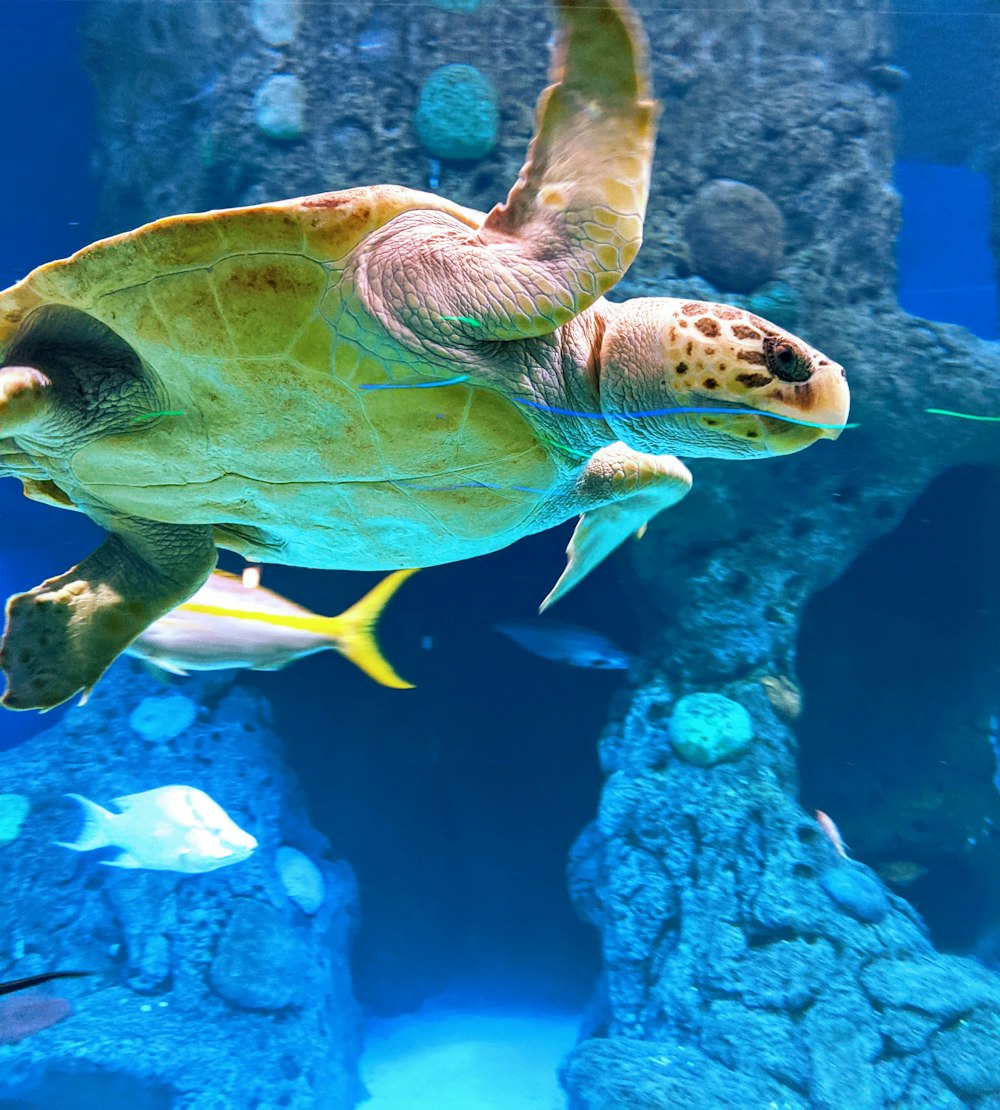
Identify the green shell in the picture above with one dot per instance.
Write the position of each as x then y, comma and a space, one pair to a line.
287, 415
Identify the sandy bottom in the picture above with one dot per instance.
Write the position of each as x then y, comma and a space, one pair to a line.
448, 1059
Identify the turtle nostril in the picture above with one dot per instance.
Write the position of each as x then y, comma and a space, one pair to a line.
785, 361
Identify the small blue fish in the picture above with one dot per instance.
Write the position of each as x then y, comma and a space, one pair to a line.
565, 643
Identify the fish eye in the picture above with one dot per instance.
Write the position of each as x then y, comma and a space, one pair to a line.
784, 361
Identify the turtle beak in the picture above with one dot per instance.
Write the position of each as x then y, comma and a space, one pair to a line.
832, 399
818, 406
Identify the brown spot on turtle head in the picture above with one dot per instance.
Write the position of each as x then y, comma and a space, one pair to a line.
694, 308
707, 326
741, 331
755, 358
754, 381
725, 312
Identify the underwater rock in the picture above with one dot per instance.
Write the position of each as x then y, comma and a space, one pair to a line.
778, 302
464, 6
277, 21
735, 236
943, 986
966, 1053
279, 106
146, 906
156, 940
617, 1072
856, 891
14, 808
842, 1050
457, 114
163, 718
261, 963
585, 879
301, 878
378, 42
725, 933
708, 728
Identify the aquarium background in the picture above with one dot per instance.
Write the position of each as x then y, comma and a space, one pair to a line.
456, 806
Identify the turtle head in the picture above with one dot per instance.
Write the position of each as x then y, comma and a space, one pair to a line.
712, 381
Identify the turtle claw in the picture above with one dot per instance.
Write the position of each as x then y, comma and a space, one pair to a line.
22, 397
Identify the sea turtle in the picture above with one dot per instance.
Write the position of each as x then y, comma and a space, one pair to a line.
379, 378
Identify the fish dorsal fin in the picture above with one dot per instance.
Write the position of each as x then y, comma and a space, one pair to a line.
124, 860
126, 801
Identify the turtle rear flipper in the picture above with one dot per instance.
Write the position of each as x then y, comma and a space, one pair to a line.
62, 635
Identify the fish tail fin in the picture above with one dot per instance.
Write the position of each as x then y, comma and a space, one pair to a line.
94, 833
354, 631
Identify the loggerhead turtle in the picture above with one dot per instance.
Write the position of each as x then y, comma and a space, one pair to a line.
379, 378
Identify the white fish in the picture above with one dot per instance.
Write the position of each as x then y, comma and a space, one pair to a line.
171, 828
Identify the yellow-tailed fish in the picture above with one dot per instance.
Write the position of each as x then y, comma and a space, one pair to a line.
230, 624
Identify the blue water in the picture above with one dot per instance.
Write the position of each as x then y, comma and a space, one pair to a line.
947, 270
457, 806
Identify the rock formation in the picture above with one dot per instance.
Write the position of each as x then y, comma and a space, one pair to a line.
746, 963
193, 975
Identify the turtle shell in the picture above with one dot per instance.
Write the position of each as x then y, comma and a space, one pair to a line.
286, 415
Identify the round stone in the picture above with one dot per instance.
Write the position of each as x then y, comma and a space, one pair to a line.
735, 236
457, 115
276, 21
279, 107
857, 892
708, 728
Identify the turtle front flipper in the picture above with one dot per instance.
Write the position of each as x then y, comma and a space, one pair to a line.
586, 180
62, 635
570, 226
629, 489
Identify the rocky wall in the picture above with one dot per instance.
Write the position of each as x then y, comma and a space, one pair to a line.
747, 963
191, 116
744, 957
230, 988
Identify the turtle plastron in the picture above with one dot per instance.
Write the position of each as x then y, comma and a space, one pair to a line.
628, 488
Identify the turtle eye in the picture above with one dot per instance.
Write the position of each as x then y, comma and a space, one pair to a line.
784, 361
